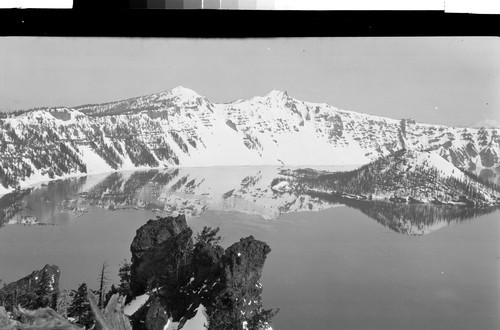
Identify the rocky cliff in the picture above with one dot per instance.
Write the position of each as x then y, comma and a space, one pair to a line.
180, 276
240, 295
153, 250
40, 288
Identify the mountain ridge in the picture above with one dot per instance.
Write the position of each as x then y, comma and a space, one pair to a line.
486, 123
179, 127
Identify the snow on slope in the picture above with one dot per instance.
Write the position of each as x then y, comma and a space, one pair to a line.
95, 163
198, 321
135, 304
434, 160
182, 128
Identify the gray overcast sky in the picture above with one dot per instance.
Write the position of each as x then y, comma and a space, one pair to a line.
448, 81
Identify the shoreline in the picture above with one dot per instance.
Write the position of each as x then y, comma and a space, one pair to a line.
27, 184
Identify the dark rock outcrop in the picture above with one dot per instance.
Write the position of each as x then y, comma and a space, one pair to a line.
157, 315
242, 268
153, 249
188, 275
206, 261
225, 282
41, 285
155, 232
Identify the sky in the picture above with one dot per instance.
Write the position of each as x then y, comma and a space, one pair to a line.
450, 81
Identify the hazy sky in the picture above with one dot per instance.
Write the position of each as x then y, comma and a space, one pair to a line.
448, 81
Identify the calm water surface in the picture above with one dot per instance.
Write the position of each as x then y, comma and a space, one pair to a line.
338, 268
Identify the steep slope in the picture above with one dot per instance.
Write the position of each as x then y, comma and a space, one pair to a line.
181, 128
404, 176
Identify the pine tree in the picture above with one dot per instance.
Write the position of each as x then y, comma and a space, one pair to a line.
124, 274
209, 236
262, 319
103, 280
80, 307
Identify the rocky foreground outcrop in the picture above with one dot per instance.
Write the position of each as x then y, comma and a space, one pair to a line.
148, 249
181, 275
42, 284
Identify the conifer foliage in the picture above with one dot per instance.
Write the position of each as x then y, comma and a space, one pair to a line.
80, 309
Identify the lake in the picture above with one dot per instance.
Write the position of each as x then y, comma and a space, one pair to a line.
332, 266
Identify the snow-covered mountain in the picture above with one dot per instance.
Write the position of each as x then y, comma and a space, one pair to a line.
181, 128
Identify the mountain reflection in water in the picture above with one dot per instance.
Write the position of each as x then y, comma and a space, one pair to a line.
409, 219
194, 190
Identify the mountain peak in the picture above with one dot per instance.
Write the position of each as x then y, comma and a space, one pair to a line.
277, 94
183, 91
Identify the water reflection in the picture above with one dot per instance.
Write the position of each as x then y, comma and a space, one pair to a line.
409, 219
194, 190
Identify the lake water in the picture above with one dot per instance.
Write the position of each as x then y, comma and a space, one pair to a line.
361, 266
